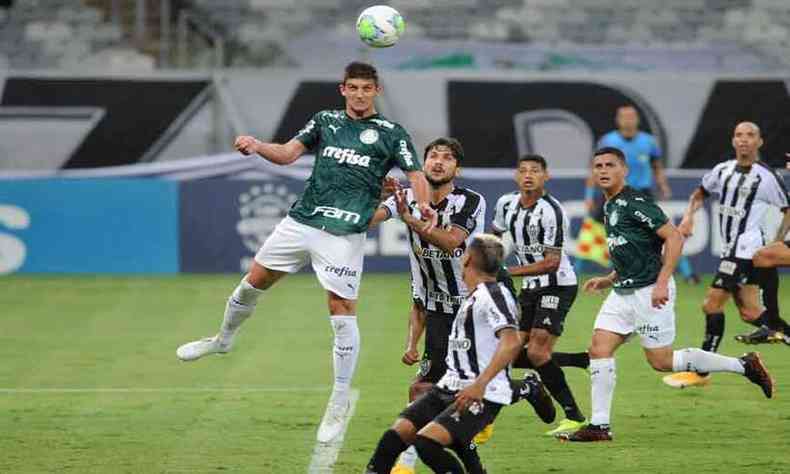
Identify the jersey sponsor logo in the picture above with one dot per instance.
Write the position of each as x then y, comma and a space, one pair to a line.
730, 211
439, 254
440, 297
341, 271
459, 344
531, 248
647, 220
369, 136
383, 123
346, 155
335, 213
549, 302
405, 153
616, 241
649, 331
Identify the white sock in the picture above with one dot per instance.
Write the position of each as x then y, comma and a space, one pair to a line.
240, 306
602, 380
697, 360
408, 458
345, 353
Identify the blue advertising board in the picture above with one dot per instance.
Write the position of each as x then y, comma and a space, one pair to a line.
88, 226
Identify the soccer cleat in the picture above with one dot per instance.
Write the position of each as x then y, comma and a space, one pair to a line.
532, 390
196, 349
755, 370
686, 379
401, 469
333, 421
482, 437
761, 335
567, 426
589, 433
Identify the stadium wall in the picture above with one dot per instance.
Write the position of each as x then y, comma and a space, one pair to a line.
217, 225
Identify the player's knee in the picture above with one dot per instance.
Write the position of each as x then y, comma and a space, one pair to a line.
749, 313
261, 277
341, 306
710, 306
538, 354
597, 351
405, 430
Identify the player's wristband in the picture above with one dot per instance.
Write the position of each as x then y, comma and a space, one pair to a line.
589, 193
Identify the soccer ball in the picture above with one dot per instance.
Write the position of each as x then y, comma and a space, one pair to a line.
380, 26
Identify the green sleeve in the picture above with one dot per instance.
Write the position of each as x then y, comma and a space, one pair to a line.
648, 214
310, 134
405, 154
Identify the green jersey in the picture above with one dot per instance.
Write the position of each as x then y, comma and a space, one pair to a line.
632, 219
352, 157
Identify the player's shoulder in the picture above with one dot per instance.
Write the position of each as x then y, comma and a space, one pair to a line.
507, 199
329, 114
468, 194
551, 204
496, 295
636, 198
764, 168
386, 125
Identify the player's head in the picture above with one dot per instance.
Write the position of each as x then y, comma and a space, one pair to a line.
532, 172
483, 257
360, 87
609, 168
442, 159
627, 120
747, 140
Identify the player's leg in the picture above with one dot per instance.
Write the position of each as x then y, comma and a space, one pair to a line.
776, 254
283, 252
337, 262
771, 328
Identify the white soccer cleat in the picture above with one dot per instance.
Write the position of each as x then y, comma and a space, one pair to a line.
333, 422
196, 349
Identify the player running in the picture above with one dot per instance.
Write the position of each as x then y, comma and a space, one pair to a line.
482, 343
354, 150
745, 187
537, 224
438, 289
643, 298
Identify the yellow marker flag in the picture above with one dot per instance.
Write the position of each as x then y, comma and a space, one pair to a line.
591, 243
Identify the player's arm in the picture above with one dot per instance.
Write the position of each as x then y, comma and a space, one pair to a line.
661, 177
416, 329
673, 245
549, 264
385, 211
507, 349
382, 214
696, 200
784, 227
596, 284
280, 154
446, 239
422, 194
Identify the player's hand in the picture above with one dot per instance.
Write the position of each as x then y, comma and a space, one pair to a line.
596, 284
411, 356
469, 398
389, 187
429, 217
400, 202
686, 227
660, 295
246, 144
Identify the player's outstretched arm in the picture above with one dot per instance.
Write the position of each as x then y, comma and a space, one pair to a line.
596, 284
696, 200
416, 328
274, 152
506, 351
661, 179
422, 194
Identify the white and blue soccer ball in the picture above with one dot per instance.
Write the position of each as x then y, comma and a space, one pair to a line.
380, 26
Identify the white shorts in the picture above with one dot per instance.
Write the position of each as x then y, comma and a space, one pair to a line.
336, 259
632, 312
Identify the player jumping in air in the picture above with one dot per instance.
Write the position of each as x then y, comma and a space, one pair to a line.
643, 298
744, 188
354, 149
537, 224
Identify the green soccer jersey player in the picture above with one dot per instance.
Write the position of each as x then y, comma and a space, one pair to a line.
354, 150
645, 248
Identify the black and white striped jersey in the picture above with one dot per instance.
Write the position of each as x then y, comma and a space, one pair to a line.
533, 229
435, 274
743, 198
474, 339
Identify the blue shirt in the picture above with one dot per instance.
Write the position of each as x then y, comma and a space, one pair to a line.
639, 151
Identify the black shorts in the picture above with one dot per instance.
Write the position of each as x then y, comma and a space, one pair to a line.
546, 308
437, 332
733, 273
437, 405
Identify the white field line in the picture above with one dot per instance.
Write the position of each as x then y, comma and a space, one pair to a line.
325, 454
46, 390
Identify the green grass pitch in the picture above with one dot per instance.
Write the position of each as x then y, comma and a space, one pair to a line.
122, 332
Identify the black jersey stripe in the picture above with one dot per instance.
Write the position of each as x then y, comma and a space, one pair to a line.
420, 265
731, 218
498, 297
469, 332
558, 220
722, 200
747, 206
456, 359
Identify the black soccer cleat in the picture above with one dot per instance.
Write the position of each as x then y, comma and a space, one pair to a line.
755, 370
532, 390
589, 433
761, 335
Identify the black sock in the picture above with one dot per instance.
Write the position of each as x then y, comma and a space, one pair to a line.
436, 457
469, 457
714, 332
554, 379
389, 448
759, 322
522, 360
769, 284
571, 359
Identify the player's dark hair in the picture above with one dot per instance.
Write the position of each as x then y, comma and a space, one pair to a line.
360, 70
452, 143
488, 253
610, 150
536, 158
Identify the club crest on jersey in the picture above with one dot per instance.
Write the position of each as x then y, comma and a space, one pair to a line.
369, 136
532, 231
